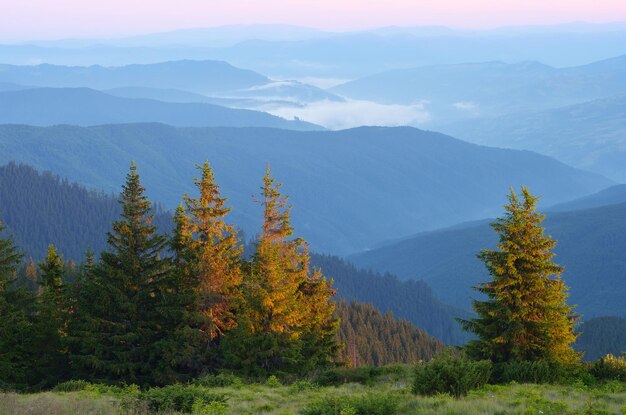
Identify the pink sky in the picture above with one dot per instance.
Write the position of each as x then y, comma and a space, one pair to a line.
39, 19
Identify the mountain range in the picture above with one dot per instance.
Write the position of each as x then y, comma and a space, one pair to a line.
84, 106
350, 189
590, 246
589, 135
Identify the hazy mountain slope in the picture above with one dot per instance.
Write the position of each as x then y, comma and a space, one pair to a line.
591, 135
610, 196
198, 76
345, 55
590, 246
349, 188
472, 90
83, 106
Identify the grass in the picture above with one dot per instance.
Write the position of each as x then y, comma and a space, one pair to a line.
388, 394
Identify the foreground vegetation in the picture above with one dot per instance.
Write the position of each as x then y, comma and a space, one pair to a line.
382, 391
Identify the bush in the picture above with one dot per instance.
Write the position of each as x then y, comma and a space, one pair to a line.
370, 404
300, 385
71, 386
273, 382
610, 368
451, 374
219, 381
339, 375
179, 398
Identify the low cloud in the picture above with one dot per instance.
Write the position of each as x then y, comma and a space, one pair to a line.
466, 106
348, 114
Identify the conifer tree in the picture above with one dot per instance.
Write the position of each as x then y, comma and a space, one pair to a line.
16, 328
525, 315
214, 252
289, 312
51, 321
122, 303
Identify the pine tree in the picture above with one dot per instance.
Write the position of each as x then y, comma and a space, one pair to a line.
16, 328
525, 315
214, 252
120, 312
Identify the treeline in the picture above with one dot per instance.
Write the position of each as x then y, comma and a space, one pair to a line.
154, 309
374, 339
40, 208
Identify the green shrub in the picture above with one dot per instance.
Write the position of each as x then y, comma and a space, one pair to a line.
220, 380
71, 386
273, 382
451, 374
610, 368
541, 372
339, 375
369, 404
179, 398
301, 385
200, 407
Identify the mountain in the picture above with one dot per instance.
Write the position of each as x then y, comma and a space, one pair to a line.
409, 300
339, 55
590, 246
41, 208
210, 78
83, 106
373, 339
601, 336
610, 196
198, 76
350, 189
591, 135
474, 90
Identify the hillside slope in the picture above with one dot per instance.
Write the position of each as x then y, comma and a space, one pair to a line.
590, 246
349, 188
83, 106
590, 135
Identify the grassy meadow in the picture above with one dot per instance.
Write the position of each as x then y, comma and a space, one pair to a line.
389, 392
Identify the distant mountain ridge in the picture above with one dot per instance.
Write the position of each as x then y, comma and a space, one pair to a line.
589, 135
85, 107
590, 246
350, 189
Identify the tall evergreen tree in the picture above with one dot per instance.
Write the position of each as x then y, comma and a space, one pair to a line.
525, 315
289, 311
121, 308
215, 256
16, 328
51, 321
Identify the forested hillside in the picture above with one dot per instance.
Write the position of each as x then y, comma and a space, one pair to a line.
601, 336
41, 209
374, 339
590, 246
352, 189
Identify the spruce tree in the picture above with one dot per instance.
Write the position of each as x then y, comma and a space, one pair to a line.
120, 311
525, 315
16, 327
51, 321
289, 311
215, 256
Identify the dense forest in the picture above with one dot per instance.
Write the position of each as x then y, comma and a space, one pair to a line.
373, 339
602, 335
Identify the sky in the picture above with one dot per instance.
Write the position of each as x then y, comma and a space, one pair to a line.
56, 19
